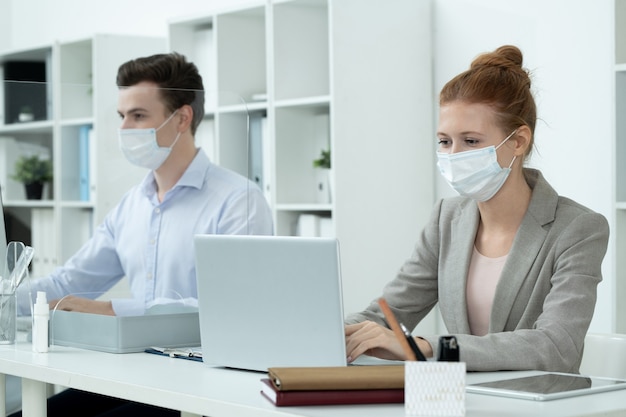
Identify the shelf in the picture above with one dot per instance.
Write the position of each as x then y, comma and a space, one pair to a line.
620, 136
620, 31
76, 73
44, 126
302, 132
36, 54
301, 45
305, 102
311, 223
618, 231
26, 83
77, 122
29, 203
238, 108
240, 52
77, 204
313, 59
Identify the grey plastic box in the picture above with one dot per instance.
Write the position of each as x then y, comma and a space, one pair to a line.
124, 334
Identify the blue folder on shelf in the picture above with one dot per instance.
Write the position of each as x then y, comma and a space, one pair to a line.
83, 162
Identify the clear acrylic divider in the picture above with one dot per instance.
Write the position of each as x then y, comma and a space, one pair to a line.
16, 261
70, 133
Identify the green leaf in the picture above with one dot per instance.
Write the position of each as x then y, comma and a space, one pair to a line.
30, 169
323, 161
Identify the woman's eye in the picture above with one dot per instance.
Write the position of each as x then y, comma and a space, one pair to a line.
471, 141
443, 142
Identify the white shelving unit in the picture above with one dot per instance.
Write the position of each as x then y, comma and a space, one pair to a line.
80, 94
349, 76
620, 166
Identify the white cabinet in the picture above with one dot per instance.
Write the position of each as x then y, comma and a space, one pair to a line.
347, 76
75, 124
620, 166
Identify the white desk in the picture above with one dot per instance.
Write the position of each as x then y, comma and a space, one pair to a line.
199, 389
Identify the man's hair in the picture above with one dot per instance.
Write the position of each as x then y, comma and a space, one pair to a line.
178, 80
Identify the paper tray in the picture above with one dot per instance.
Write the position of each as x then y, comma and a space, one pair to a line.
124, 334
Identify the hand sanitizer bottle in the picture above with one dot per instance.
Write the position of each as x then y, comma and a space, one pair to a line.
41, 320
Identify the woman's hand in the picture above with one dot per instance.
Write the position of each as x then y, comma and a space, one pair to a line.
372, 339
369, 338
83, 305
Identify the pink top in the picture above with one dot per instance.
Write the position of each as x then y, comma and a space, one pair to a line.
482, 279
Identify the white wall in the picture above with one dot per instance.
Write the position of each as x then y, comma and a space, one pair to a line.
568, 45
5, 28
40, 22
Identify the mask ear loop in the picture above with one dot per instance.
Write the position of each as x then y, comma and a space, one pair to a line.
166, 120
164, 123
502, 143
505, 139
513, 160
175, 140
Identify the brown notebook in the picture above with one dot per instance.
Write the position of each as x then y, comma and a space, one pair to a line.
330, 397
337, 377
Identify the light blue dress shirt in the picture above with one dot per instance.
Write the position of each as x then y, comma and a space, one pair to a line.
151, 242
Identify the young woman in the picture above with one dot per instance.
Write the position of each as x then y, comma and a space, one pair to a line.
513, 265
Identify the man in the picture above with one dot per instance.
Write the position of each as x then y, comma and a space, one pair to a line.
148, 236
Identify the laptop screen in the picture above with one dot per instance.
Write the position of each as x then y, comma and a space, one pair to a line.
267, 301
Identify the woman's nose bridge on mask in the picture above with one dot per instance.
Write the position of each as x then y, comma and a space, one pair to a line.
456, 147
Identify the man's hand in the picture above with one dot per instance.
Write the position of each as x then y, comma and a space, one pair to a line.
83, 305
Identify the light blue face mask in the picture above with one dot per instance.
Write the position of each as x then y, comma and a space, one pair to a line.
140, 146
475, 174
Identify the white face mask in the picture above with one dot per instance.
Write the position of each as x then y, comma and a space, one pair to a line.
140, 146
475, 174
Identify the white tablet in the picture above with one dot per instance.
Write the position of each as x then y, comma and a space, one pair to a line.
548, 386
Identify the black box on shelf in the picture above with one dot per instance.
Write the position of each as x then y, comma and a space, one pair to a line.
25, 91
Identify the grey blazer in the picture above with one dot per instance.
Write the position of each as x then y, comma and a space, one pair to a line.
546, 295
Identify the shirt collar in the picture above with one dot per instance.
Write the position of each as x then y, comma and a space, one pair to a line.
194, 175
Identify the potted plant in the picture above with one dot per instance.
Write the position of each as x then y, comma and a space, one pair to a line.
324, 177
323, 161
33, 172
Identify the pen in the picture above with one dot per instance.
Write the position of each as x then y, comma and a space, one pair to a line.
409, 338
178, 353
393, 323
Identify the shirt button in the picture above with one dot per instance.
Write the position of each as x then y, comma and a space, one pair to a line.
152, 241
149, 275
157, 210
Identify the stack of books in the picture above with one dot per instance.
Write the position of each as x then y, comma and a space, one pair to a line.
295, 386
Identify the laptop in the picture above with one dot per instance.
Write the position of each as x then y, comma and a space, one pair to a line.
269, 301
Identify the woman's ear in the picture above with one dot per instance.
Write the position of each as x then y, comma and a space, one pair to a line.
186, 118
522, 140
